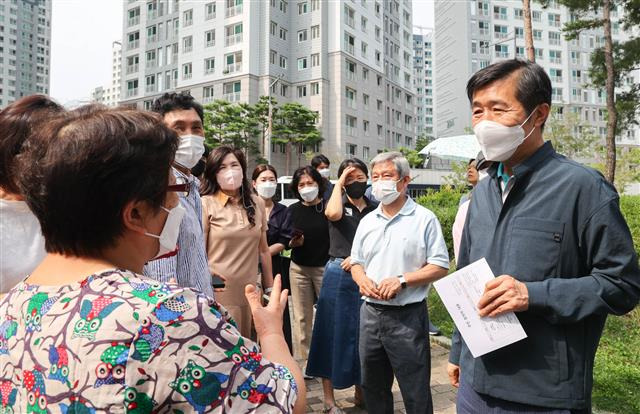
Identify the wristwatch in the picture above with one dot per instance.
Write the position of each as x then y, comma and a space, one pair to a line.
403, 282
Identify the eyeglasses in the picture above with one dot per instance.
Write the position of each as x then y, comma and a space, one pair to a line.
182, 187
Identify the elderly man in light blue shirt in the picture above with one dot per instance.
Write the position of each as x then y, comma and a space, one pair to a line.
398, 250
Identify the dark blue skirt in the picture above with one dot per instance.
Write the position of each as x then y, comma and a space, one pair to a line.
334, 344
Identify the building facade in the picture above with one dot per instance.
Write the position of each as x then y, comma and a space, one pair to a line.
351, 61
471, 35
423, 80
25, 45
109, 95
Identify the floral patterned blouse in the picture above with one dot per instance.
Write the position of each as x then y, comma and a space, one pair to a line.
120, 343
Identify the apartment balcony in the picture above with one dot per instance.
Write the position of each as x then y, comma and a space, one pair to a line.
351, 75
132, 69
351, 103
210, 16
187, 49
500, 16
208, 99
133, 21
502, 54
500, 35
132, 92
133, 45
233, 39
188, 22
555, 60
210, 43
152, 39
483, 32
150, 88
232, 68
349, 48
350, 22
351, 131
233, 11
151, 64
557, 79
232, 97
152, 14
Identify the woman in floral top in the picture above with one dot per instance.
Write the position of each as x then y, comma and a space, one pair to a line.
83, 335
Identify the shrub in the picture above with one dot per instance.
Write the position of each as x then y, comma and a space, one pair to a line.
444, 204
630, 206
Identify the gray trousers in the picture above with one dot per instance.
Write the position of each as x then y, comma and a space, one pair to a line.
394, 341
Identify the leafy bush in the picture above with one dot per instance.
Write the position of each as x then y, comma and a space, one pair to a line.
444, 204
630, 206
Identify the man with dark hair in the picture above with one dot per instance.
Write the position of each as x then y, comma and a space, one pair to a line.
551, 229
322, 164
188, 266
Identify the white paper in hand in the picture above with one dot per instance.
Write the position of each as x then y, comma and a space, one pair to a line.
460, 293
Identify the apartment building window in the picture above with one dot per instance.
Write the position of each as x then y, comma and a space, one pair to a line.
349, 43
351, 70
499, 12
351, 123
231, 91
284, 90
377, 9
483, 8
132, 88
519, 31
483, 28
283, 34
315, 88
273, 57
555, 75
499, 31
210, 11
349, 16
315, 5
187, 18
536, 16
283, 7
210, 38
302, 35
187, 44
352, 149
315, 31
350, 94
575, 57
152, 10
176, 27
233, 34
365, 153
174, 53
554, 19
576, 76
152, 34
234, 7
209, 65
378, 57
302, 91
207, 94
518, 14
363, 23
302, 63
187, 71
537, 34
233, 62
539, 53
283, 62
377, 32
132, 64
150, 82
554, 38
365, 127
150, 58
273, 28
134, 17
315, 60
363, 49
520, 51
303, 7
365, 100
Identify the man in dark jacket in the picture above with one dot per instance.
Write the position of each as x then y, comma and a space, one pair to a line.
551, 229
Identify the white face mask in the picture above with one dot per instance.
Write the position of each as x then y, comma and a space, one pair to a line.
231, 179
309, 194
499, 142
169, 235
385, 191
266, 189
190, 150
325, 172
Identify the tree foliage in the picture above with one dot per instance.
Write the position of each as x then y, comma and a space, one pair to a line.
571, 137
458, 177
413, 157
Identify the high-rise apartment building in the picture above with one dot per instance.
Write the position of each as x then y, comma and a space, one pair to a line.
351, 61
25, 44
423, 80
470, 35
109, 95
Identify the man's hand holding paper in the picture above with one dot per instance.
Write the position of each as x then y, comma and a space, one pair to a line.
503, 294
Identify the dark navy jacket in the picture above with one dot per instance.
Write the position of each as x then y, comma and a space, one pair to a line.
560, 231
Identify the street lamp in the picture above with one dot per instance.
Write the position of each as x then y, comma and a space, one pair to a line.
267, 138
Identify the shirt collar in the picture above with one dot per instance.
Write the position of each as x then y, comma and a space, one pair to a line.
407, 209
221, 198
526, 166
502, 174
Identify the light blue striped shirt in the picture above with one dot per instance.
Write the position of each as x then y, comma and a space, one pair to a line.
189, 267
387, 247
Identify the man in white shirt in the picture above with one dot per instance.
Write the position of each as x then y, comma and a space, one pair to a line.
398, 250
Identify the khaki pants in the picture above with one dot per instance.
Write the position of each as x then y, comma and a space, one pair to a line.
306, 282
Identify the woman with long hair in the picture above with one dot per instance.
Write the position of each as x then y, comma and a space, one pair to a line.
235, 231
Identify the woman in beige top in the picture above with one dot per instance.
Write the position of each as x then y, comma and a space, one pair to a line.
235, 231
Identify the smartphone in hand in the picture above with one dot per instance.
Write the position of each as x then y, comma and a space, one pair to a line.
217, 282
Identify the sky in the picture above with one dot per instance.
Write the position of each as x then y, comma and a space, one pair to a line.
82, 32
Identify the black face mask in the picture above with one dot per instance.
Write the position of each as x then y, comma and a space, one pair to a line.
356, 189
198, 169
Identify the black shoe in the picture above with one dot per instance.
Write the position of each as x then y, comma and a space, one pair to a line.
433, 330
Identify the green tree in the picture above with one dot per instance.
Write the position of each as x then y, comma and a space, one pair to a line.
627, 166
570, 136
415, 159
422, 141
458, 177
262, 116
294, 125
610, 64
232, 124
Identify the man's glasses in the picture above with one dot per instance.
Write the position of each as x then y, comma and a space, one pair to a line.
182, 187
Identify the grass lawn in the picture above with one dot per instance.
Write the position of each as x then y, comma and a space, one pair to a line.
617, 367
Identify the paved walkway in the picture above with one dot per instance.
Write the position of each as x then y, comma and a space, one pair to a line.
444, 395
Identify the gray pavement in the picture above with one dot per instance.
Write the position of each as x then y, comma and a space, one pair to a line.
444, 395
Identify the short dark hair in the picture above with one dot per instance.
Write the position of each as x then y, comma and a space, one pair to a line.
311, 172
172, 101
210, 186
17, 121
262, 168
534, 85
319, 159
355, 162
84, 168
